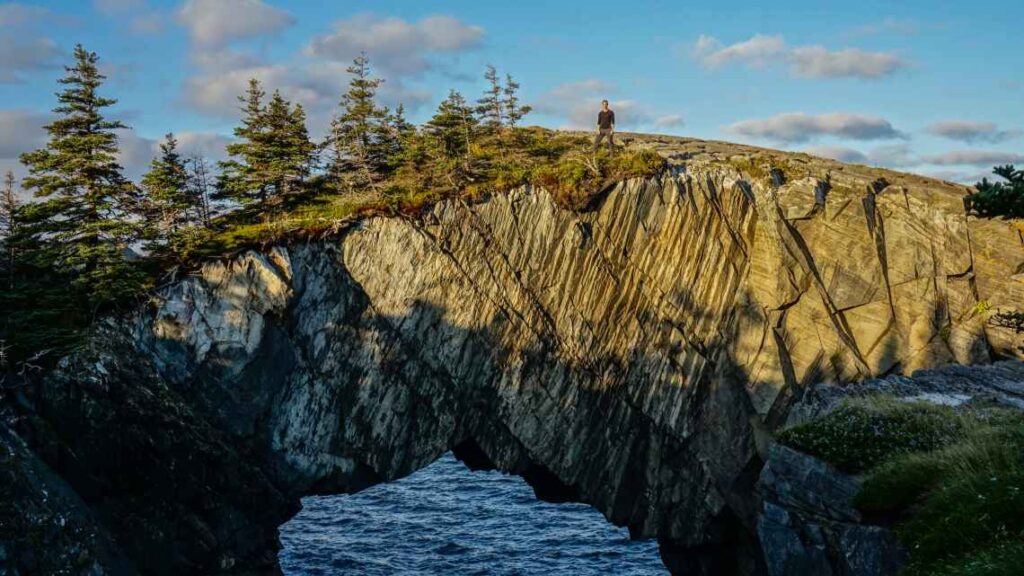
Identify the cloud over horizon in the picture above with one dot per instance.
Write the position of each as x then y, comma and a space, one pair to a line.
761, 51
798, 127
24, 48
972, 132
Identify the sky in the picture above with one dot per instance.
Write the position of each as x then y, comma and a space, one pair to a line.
934, 87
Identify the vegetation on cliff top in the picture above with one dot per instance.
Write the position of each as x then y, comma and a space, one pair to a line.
93, 239
951, 480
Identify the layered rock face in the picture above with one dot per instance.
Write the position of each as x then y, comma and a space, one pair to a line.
635, 357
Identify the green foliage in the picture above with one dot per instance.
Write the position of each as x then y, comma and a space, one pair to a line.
858, 436
578, 177
365, 135
436, 163
1003, 559
449, 137
272, 154
166, 187
952, 479
84, 217
8, 228
961, 501
999, 199
490, 108
514, 111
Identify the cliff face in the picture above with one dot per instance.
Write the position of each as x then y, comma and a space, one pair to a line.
634, 357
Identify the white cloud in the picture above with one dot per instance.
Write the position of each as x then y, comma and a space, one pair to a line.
575, 106
22, 49
216, 23
398, 50
137, 152
980, 158
569, 90
893, 156
962, 177
15, 14
817, 62
758, 51
142, 19
21, 55
21, 131
839, 153
972, 132
393, 45
669, 121
804, 61
890, 156
800, 127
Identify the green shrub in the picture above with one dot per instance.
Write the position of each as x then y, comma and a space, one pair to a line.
951, 478
858, 436
995, 199
1004, 559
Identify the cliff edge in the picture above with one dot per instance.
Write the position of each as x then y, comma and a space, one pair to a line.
636, 356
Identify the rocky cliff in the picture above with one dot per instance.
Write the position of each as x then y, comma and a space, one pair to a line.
636, 356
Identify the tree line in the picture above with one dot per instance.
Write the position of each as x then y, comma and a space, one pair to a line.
75, 250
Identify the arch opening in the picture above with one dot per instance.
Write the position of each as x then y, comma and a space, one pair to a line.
459, 516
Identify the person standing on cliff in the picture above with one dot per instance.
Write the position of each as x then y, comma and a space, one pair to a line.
605, 127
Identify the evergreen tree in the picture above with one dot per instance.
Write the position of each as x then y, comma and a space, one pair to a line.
490, 107
82, 224
166, 188
1004, 199
402, 133
451, 132
198, 187
241, 175
8, 224
272, 154
514, 111
286, 147
399, 125
362, 138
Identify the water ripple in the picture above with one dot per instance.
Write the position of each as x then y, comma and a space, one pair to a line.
445, 519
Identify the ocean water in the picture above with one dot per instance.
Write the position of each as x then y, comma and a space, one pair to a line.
448, 520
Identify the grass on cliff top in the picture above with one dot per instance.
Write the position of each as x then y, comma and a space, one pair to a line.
950, 479
560, 162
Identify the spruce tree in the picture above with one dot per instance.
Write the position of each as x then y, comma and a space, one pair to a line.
166, 188
400, 138
199, 182
451, 132
514, 111
272, 154
288, 149
361, 135
241, 175
490, 107
997, 198
8, 225
82, 224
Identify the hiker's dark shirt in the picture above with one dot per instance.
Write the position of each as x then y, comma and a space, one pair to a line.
605, 119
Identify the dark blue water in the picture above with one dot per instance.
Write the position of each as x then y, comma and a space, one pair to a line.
448, 520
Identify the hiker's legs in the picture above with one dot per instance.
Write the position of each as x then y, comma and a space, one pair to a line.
611, 142
597, 139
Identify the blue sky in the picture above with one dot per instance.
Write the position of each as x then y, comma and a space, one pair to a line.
932, 87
